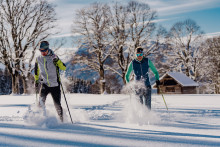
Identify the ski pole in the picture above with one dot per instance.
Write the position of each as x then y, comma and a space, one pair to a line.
130, 99
66, 102
36, 96
36, 91
163, 98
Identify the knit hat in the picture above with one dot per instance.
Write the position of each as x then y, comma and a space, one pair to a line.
44, 45
139, 50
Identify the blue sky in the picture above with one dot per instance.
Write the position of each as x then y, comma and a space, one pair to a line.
208, 19
205, 12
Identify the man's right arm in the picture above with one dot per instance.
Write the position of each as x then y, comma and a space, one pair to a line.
128, 73
36, 71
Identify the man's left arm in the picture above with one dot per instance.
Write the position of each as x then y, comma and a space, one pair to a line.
153, 69
61, 65
58, 62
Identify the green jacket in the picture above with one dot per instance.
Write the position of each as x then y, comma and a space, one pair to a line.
47, 71
140, 69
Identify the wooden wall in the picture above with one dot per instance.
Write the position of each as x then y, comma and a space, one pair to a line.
189, 90
177, 89
171, 89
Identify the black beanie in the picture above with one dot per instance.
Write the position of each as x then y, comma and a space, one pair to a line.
44, 45
139, 50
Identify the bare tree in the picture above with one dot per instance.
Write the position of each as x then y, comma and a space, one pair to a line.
184, 39
23, 24
132, 26
93, 24
141, 25
128, 26
159, 49
120, 33
210, 68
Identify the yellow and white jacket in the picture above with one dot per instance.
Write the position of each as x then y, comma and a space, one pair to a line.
47, 71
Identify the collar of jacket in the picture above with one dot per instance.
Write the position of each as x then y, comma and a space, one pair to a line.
50, 52
140, 61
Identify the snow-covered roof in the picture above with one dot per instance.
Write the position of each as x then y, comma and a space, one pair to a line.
181, 79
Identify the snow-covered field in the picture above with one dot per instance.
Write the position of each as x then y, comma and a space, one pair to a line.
112, 120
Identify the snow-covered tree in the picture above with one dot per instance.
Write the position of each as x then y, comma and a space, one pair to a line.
183, 55
157, 54
132, 26
23, 24
210, 70
120, 33
108, 37
141, 24
93, 24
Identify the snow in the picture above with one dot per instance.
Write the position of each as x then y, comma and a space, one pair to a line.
111, 120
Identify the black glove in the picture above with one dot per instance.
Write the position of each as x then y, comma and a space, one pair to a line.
158, 83
55, 58
36, 84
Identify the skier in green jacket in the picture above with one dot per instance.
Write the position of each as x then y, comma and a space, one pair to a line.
140, 67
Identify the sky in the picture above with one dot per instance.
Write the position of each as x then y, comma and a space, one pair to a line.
204, 12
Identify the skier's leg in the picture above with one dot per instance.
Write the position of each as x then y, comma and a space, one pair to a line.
56, 94
147, 97
139, 93
141, 99
43, 95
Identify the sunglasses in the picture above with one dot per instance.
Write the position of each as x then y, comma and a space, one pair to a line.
139, 54
43, 50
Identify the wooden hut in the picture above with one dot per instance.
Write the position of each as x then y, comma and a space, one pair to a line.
177, 83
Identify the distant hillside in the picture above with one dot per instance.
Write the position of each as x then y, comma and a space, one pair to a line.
74, 71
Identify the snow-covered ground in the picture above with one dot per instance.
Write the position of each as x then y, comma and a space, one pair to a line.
112, 120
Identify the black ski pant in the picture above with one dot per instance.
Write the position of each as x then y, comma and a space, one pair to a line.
56, 95
145, 96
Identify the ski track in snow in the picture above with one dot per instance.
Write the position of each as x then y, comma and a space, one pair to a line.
112, 120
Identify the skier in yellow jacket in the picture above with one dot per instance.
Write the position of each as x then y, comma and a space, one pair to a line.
47, 73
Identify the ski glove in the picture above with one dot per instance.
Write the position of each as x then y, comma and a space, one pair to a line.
36, 84
158, 83
55, 58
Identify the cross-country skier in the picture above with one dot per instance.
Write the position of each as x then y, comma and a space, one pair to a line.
140, 67
47, 73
